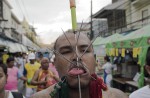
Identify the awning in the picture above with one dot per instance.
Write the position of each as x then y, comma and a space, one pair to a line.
2, 43
13, 47
24, 48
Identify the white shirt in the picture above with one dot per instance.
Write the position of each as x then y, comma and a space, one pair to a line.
107, 67
10, 95
141, 93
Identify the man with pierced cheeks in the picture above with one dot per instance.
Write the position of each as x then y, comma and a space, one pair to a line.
71, 71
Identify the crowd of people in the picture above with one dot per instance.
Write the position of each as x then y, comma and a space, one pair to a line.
69, 74
26, 74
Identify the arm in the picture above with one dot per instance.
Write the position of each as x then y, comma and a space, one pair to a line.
20, 76
101, 68
56, 78
23, 78
35, 81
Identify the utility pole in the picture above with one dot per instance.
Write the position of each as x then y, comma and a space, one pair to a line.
91, 34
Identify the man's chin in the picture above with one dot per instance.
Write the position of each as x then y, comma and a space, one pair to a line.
74, 83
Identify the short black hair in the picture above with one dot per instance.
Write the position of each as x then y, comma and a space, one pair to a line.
107, 58
10, 59
4, 67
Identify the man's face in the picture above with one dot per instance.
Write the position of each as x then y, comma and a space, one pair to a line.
72, 71
45, 64
2, 79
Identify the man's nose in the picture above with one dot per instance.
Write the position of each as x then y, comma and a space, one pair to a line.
76, 56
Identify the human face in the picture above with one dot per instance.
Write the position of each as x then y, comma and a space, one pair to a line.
11, 64
71, 71
32, 61
2, 79
45, 64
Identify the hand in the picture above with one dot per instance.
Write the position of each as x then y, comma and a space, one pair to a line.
43, 82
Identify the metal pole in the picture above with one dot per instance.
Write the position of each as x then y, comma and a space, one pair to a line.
91, 35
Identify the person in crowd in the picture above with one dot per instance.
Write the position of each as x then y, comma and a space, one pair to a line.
21, 83
13, 75
77, 74
145, 91
40, 58
44, 77
52, 66
107, 67
3, 80
5, 56
29, 71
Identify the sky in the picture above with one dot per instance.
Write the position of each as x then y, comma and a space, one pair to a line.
49, 16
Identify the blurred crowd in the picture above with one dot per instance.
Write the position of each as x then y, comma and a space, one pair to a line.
28, 73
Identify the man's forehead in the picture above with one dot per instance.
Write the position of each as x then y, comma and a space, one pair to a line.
82, 39
72, 35
44, 59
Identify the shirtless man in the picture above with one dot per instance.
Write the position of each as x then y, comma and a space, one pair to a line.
44, 77
78, 72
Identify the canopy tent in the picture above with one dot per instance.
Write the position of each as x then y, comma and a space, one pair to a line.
139, 40
135, 39
100, 43
98, 49
109, 39
97, 41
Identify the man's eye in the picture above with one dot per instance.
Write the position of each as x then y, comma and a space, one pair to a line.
86, 51
65, 52
1, 76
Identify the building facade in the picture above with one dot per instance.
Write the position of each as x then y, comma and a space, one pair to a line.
125, 15
12, 31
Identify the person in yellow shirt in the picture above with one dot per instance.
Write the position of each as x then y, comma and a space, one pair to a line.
5, 57
30, 69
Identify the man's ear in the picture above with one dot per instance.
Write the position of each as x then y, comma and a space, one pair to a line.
147, 69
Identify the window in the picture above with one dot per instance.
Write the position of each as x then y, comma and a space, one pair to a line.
145, 17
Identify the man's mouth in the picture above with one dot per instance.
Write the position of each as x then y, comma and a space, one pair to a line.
77, 71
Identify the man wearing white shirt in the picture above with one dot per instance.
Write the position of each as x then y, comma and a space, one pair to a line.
107, 71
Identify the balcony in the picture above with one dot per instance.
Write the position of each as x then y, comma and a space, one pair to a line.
140, 2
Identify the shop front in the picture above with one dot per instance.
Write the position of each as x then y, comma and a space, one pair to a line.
131, 52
